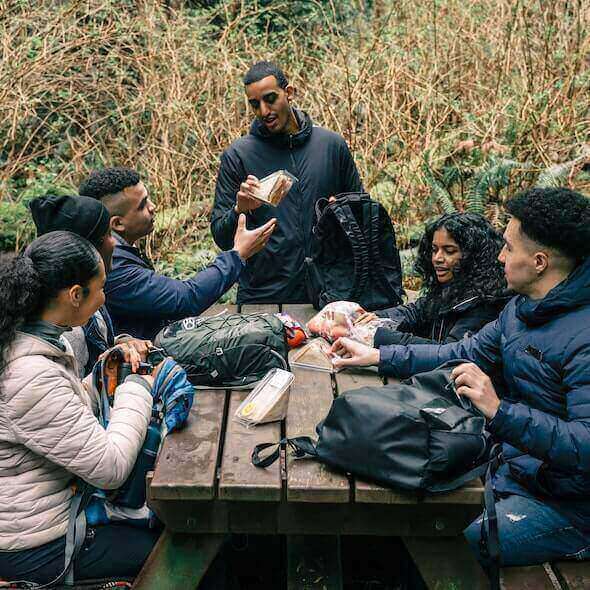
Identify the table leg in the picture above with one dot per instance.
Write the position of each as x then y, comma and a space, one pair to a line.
314, 562
178, 561
446, 563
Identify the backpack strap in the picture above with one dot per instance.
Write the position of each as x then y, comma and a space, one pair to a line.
373, 233
302, 446
360, 250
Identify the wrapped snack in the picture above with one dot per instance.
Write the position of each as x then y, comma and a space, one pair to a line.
335, 320
274, 187
296, 334
268, 401
314, 355
365, 333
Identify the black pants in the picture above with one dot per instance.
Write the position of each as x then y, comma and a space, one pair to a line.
110, 551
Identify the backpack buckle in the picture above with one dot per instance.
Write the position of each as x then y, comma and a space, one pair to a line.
219, 351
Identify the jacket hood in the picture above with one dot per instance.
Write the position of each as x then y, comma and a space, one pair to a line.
305, 128
28, 345
569, 294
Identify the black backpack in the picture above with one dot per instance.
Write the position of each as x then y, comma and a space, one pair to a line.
415, 435
229, 350
354, 254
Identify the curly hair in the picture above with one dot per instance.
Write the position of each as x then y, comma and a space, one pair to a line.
31, 280
108, 181
479, 273
555, 217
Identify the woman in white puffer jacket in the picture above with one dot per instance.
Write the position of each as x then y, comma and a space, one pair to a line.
49, 435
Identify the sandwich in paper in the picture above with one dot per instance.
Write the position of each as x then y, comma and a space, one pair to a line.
268, 401
274, 187
314, 355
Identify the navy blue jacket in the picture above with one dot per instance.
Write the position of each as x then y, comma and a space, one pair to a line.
322, 162
543, 348
141, 301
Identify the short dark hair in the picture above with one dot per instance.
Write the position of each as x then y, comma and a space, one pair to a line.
262, 69
108, 181
558, 218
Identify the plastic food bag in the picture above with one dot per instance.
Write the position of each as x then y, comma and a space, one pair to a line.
365, 333
335, 320
296, 334
274, 187
268, 401
314, 355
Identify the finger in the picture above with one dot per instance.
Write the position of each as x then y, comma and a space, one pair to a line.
135, 359
252, 178
459, 370
242, 222
467, 392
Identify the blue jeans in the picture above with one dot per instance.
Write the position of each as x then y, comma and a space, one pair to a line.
530, 533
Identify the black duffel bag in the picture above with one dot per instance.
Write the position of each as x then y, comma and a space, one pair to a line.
415, 435
228, 350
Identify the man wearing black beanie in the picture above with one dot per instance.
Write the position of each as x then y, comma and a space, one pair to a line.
83, 216
90, 219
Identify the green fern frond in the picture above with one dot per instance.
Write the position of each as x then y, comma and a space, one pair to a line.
556, 175
494, 176
438, 191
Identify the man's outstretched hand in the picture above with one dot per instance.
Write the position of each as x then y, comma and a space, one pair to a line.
249, 242
350, 353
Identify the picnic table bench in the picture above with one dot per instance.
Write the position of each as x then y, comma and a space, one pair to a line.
204, 487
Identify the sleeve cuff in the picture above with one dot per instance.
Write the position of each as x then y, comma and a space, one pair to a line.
139, 380
386, 356
496, 424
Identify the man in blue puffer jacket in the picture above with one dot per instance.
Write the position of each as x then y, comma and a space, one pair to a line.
541, 342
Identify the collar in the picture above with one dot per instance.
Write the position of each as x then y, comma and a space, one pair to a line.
46, 331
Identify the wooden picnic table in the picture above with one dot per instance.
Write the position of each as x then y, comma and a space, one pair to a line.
204, 487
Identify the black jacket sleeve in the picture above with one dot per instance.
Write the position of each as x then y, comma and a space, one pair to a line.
224, 218
350, 179
412, 321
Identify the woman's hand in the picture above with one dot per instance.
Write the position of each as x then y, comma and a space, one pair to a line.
473, 383
130, 355
365, 318
350, 353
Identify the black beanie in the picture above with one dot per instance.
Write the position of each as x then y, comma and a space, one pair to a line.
84, 216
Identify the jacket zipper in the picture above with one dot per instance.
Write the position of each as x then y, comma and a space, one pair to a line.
304, 242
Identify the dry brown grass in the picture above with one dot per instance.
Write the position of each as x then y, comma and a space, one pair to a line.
139, 84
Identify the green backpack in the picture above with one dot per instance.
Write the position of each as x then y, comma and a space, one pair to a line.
230, 350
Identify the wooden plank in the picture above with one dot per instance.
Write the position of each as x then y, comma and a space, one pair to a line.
447, 563
239, 479
532, 577
187, 463
259, 308
219, 308
314, 563
573, 575
369, 492
178, 562
302, 312
307, 479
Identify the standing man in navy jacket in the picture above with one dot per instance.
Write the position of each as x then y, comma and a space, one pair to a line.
140, 300
541, 343
280, 138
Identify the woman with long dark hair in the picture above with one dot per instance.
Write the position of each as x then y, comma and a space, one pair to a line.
49, 435
463, 284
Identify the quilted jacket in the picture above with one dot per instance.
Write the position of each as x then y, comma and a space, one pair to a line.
49, 434
543, 349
